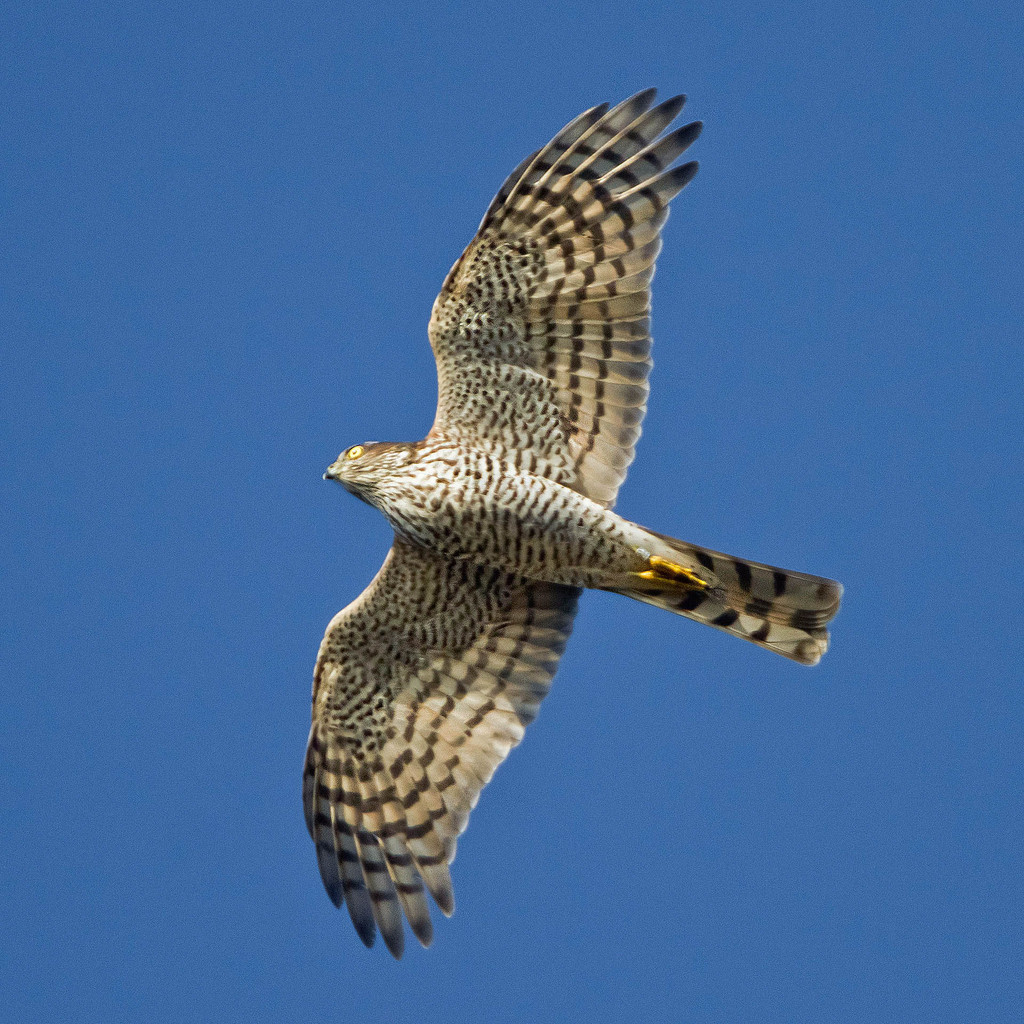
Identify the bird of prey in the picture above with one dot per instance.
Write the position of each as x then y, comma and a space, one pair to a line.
502, 514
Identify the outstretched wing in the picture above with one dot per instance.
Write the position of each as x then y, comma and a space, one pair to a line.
541, 330
422, 686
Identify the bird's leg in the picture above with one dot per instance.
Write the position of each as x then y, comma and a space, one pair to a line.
662, 570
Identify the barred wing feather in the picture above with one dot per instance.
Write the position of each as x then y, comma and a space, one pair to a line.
421, 688
542, 330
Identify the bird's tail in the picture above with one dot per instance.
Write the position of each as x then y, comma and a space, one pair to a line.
783, 611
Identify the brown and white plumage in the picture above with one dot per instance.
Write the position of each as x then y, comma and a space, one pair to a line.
422, 687
548, 308
503, 513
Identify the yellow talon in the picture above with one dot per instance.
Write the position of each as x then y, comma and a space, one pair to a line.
662, 568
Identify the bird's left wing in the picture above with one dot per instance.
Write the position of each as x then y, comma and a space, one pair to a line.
422, 686
542, 330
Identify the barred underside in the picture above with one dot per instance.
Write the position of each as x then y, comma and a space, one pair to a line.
541, 330
423, 686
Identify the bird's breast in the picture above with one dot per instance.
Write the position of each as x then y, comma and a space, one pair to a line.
484, 509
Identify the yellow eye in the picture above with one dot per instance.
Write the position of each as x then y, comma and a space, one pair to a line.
354, 452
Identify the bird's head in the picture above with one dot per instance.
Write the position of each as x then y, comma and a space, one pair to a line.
361, 468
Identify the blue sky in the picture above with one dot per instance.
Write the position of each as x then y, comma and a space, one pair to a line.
224, 227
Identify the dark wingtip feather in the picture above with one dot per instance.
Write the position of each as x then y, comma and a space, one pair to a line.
423, 929
671, 107
682, 176
365, 927
644, 97
394, 939
328, 866
688, 134
444, 897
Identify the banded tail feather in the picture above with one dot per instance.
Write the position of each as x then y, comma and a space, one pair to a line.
782, 611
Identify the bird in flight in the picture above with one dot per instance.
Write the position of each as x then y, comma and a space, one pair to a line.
503, 513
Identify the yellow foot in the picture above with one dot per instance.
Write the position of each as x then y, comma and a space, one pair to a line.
663, 569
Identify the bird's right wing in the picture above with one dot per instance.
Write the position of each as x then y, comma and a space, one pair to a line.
542, 328
422, 686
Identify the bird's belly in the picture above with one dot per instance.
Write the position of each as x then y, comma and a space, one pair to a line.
520, 523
